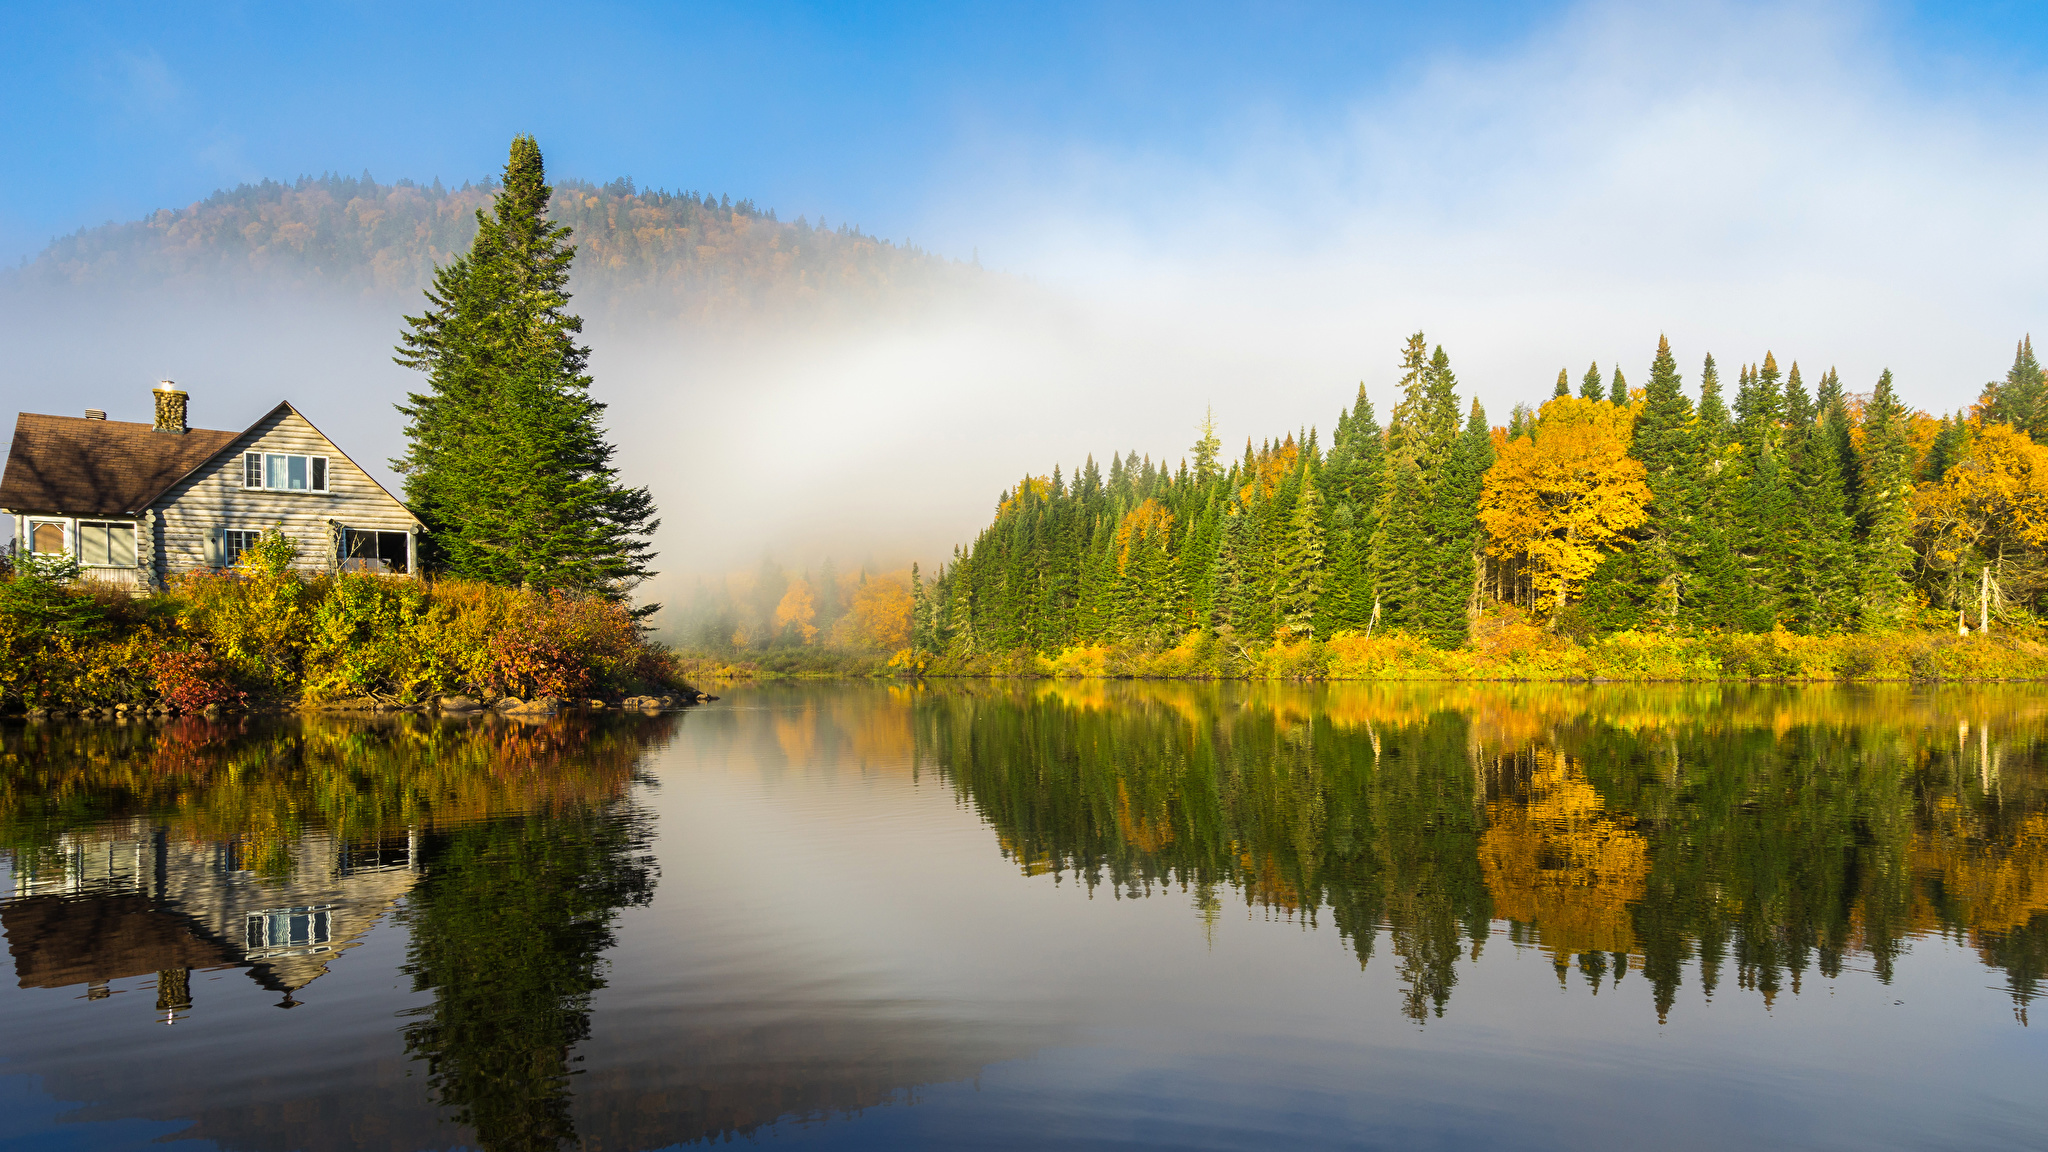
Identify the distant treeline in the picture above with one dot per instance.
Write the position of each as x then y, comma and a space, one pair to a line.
664, 253
1613, 509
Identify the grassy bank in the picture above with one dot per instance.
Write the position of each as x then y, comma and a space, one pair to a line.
788, 664
270, 634
1507, 647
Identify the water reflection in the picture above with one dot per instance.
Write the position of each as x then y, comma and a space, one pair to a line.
814, 902
507, 934
1758, 832
187, 849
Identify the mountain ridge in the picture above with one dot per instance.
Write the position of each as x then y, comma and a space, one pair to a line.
676, 255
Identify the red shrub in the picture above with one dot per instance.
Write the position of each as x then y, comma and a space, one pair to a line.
189, 679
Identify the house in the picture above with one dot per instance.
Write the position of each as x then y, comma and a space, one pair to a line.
135, 503
130, 899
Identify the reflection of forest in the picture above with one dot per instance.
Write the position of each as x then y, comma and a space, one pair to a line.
1760, 830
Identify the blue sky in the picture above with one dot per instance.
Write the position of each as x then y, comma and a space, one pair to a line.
863, 112
842, 110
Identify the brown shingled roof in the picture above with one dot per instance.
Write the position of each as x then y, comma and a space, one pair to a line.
59, 942
86, 467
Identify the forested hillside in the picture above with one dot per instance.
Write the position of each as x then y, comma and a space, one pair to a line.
652, 252
1793, 511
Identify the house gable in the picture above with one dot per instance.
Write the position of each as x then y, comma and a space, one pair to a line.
189, 517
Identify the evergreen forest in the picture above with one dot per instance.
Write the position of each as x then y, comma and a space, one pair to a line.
1763, 506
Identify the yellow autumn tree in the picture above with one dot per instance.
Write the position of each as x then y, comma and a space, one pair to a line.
1561, 497
798, 610
881, 613
1991, 509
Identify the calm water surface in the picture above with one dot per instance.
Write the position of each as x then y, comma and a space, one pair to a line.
1038, 915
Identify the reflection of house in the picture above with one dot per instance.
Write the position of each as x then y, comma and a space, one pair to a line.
108, 909
136, 502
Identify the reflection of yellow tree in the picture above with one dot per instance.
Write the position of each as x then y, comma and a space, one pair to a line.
1559, 862
1993, 885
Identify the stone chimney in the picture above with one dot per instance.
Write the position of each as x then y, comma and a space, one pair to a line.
170, 408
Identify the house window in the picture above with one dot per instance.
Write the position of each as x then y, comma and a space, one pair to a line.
106, 544
234, 542
284, 472
46, 536
288, 927
367, 551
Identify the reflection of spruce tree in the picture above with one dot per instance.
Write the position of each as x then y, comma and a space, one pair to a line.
508, 931
1428, 826
1297, 817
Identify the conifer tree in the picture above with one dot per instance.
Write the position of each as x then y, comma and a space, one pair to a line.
1719, 588
1412, 555
1949, 442
1207, 447
1351, 480
1617, 392
1713, 425
1564, 384
506, 464
2021, 399
1460, 538
1301, 565
1637, 585
1821, 596
1885, 515
1591, 387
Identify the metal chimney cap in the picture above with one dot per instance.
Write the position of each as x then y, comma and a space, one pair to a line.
167, 386
95, 414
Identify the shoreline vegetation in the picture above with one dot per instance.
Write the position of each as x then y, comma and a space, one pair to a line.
271, 636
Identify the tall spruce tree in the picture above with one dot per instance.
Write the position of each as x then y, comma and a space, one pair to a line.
1720, 589
1301, 563
1885, 515
1460, 538
1822, 596
507, 465
1590, 385
1662, 441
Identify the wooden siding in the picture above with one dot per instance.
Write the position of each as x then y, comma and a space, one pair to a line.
213, 499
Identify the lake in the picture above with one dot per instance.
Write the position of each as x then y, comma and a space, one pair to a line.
1032, 914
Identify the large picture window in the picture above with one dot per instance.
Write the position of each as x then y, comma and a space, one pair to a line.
367, 551
284, 472
106, 544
